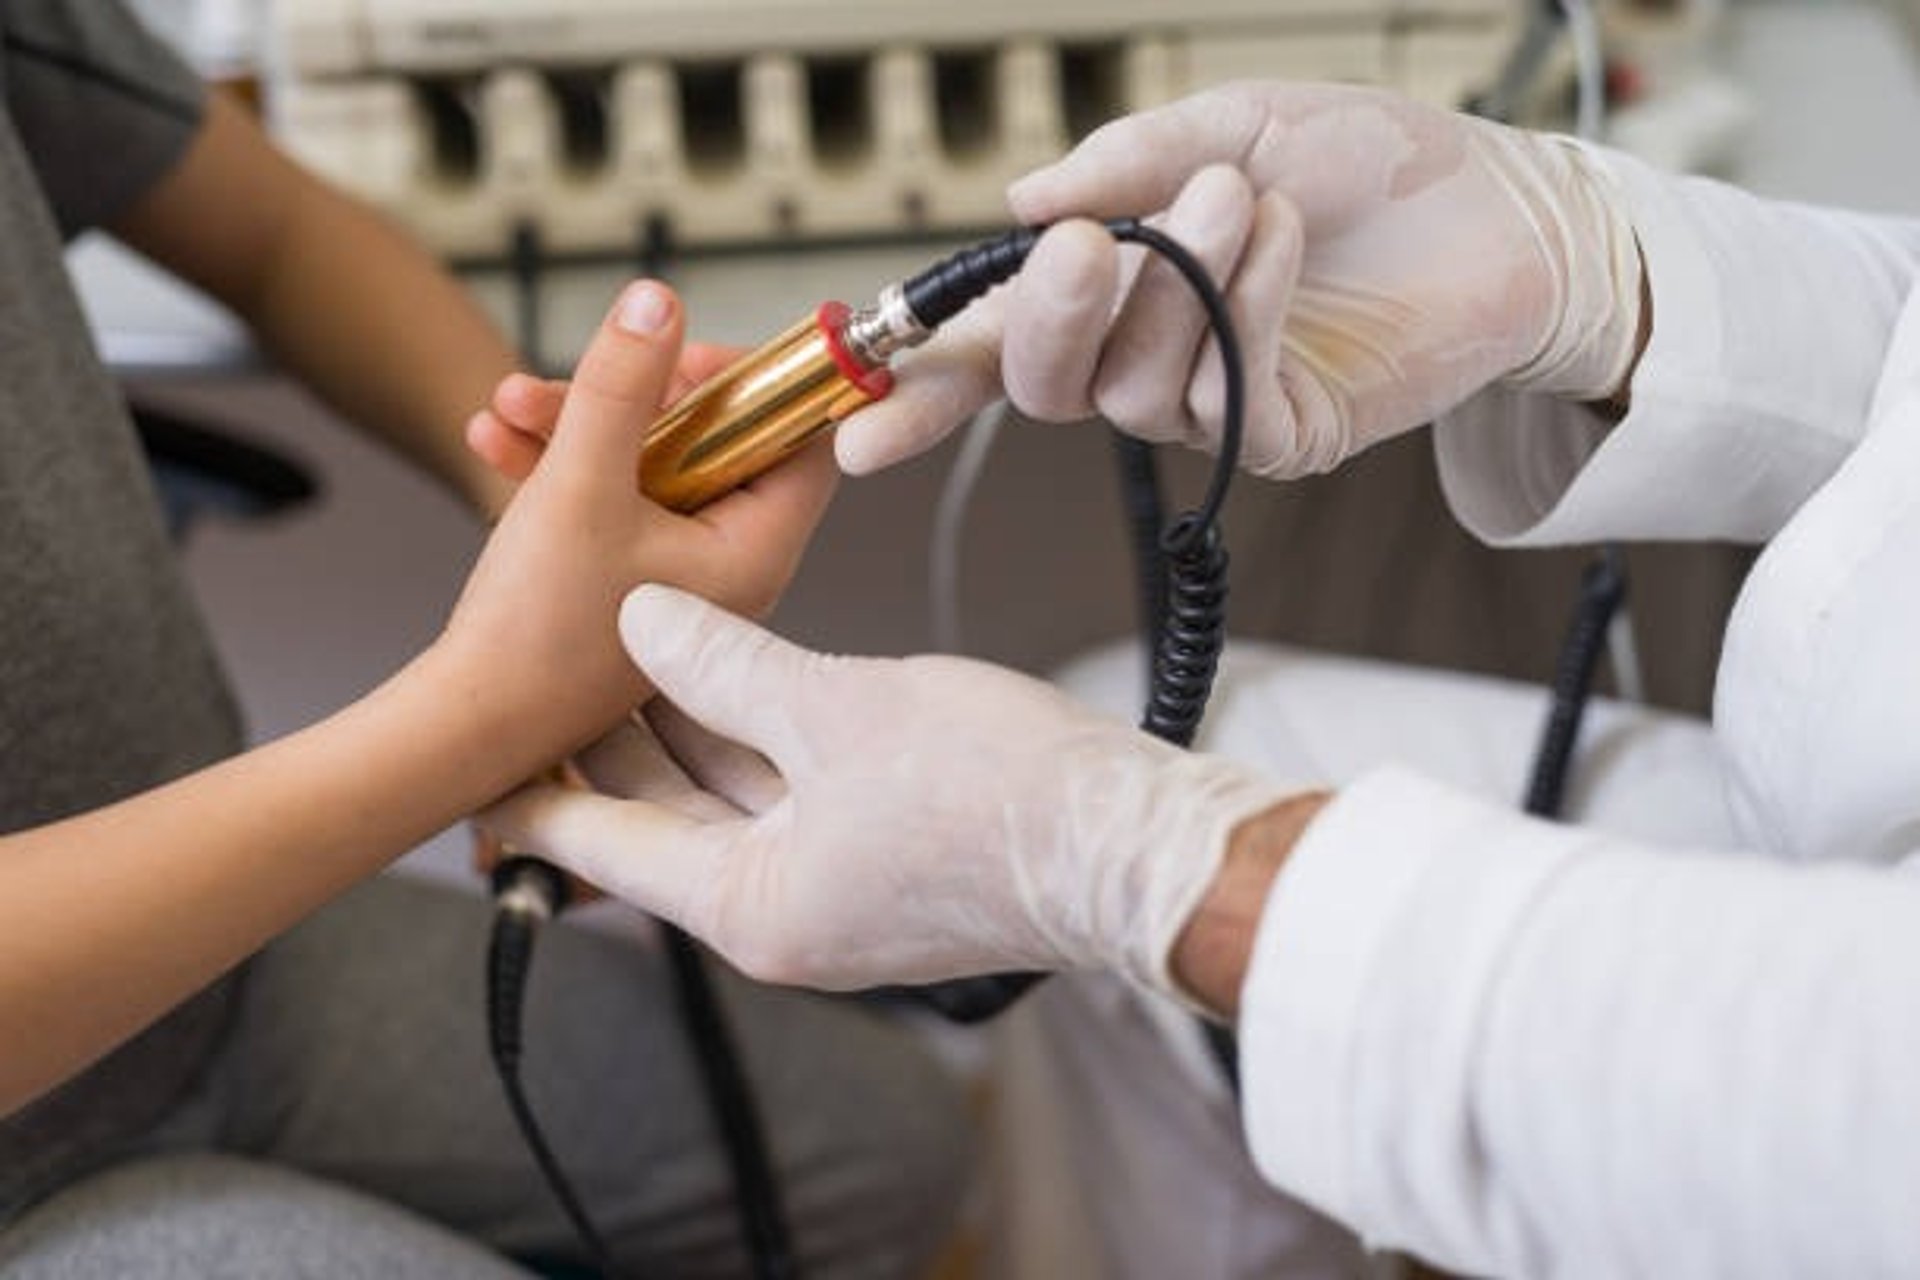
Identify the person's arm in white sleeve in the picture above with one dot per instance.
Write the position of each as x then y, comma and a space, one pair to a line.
1520, 1049
1768, 324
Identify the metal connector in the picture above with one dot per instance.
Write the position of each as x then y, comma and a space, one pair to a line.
526, 899
875, 334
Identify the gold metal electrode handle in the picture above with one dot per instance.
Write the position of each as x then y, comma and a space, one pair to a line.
755, 412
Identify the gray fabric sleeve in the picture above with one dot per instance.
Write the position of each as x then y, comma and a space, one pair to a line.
103, 108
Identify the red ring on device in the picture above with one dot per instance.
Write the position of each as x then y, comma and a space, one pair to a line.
832, 317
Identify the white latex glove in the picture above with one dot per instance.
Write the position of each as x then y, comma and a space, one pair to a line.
871, 821
1384, 261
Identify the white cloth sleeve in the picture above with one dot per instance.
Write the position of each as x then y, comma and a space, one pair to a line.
1770, 324
1520, 1049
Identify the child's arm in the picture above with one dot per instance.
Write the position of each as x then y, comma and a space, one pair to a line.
116, 915
363, 315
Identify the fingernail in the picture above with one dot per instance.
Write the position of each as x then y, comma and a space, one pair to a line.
645, 308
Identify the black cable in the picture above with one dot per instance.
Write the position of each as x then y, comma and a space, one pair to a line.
1184, 588
528, 892
763, 1221
1189, 632
951, 285
1192, 632
954, 283
1141, 499
1603, 588
516, 924
1203, 523
1603, 585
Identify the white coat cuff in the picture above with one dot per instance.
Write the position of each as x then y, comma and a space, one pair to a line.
1392, 860
1739, 406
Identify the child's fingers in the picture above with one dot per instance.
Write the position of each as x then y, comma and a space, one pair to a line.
510, 452
529, 404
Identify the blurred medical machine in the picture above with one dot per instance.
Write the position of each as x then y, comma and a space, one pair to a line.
602, 124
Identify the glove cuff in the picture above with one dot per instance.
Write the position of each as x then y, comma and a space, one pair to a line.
1214, 797
1593, 258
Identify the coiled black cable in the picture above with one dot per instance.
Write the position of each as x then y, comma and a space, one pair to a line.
1192, 630
1189, 620
1187, 615
1192, 634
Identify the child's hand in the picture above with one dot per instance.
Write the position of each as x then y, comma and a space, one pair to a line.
533, 637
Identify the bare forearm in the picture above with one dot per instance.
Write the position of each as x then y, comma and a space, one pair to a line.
357, 311
364, 317
1211, 956
117, 915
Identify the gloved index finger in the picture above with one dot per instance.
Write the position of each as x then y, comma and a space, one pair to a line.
1058, 308
936, 388
735, 678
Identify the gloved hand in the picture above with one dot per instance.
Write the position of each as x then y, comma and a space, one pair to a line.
1384, 261
871, 821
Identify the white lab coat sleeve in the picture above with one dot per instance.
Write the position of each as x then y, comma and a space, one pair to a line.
1770, 323
1520, 1049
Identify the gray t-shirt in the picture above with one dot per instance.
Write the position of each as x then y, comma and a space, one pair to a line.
108, 681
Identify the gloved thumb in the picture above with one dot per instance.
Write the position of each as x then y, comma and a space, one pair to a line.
735, 678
